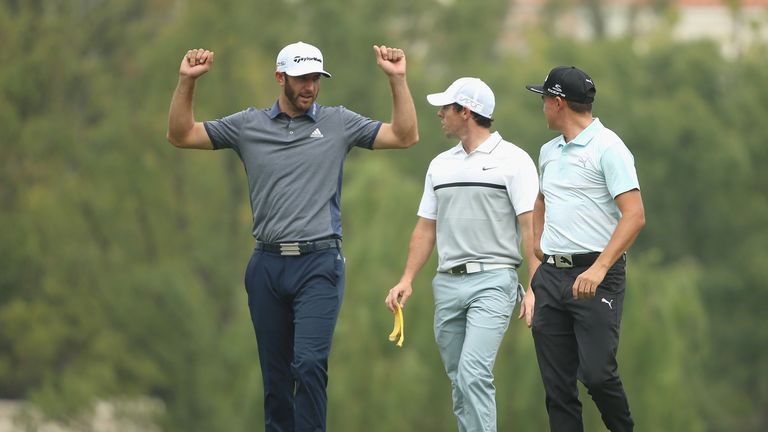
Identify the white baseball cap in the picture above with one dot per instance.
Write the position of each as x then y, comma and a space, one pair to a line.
472, 93
300, 59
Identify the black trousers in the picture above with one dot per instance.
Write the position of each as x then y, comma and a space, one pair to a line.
578, 339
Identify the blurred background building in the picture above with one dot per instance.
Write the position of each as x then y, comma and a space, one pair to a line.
732, 24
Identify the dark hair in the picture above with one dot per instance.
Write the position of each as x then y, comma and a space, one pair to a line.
480, 120
580, 108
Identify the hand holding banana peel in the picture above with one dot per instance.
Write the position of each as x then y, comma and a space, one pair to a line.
399, 328
395, 302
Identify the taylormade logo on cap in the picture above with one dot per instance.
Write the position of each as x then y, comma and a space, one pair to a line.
300, 59
472, 93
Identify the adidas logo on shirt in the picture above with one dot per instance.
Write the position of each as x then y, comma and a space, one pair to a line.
316, 134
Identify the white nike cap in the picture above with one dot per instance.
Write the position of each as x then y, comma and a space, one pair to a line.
472, 93
300, 59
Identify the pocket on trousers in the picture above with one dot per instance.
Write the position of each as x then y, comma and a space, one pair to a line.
248, 275
535, 279
339, 263
608, 307
512, 287
614, 281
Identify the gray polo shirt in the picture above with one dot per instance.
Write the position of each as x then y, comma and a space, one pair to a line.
294, 166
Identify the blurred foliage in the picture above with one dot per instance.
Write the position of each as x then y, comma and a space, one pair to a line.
122, 257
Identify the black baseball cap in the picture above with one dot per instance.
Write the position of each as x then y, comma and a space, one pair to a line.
568, 82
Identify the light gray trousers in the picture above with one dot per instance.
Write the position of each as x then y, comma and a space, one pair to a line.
472, 313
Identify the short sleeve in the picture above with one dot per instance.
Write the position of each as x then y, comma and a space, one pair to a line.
523, 186
544, 159
224, 132
428, 204
618, 166
360, 131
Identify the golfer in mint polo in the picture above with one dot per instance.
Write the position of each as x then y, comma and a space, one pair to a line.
293, 153
587, 215
476, 207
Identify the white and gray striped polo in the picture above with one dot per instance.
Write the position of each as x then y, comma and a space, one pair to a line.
475, 199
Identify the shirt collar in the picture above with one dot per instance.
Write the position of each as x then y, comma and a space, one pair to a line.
275, 111
490, 143
457, 148
585, 136
487, 146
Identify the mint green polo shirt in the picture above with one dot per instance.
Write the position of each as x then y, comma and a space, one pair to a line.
580, 180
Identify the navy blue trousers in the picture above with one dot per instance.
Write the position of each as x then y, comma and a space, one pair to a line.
294, 303
579, 339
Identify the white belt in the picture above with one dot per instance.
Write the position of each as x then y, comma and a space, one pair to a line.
474, 267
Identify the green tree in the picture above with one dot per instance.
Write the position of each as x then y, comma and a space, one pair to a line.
122, 257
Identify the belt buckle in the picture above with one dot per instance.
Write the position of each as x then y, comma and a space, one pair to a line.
290, 249
459, 269
564, 261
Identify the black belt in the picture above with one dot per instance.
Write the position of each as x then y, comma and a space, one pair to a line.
575, 260
298, 248
571, 260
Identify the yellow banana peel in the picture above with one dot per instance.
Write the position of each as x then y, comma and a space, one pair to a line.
399, 327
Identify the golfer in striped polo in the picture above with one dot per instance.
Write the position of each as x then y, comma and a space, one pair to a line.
476, 207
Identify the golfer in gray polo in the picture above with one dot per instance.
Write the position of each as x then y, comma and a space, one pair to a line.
293, 153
